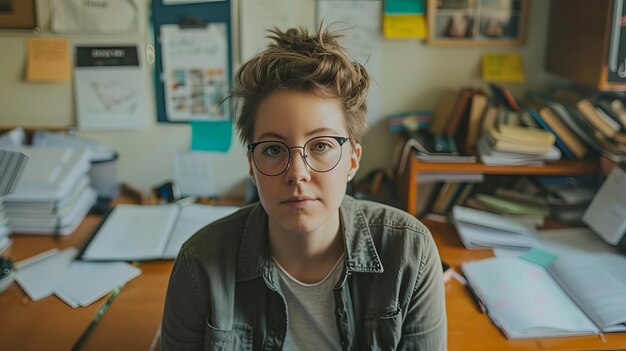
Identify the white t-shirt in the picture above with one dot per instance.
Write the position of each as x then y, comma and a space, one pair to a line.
311, 311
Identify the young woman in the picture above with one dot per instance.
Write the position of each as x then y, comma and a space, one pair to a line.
307, 268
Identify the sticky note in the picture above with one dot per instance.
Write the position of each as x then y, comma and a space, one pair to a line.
540, 257
211, 135
415, 7
47, 60
503, 67
404, 26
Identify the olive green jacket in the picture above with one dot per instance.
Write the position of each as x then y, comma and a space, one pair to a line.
224, 294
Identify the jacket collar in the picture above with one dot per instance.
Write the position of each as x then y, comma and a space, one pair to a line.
361, 255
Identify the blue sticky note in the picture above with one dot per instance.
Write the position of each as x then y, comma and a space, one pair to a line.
396, 7
211, 135
540, 257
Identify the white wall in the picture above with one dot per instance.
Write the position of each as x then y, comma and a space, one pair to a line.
413, 76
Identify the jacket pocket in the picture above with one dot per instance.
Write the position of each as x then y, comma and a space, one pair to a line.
239, 338
383, 332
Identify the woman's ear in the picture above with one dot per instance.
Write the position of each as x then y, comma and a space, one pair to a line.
250, 169
355, 159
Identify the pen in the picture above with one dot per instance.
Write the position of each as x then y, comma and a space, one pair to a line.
79, 343
475, 297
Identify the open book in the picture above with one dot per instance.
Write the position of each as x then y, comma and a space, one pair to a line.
571, 296
136, 233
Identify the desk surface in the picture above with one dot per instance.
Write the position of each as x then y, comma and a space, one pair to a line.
469, 329
133, 319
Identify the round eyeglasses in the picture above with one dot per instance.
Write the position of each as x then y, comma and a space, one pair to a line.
321, 154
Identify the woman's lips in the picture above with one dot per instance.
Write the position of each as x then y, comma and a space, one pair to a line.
298, 203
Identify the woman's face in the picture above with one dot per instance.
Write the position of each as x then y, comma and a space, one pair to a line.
301, 200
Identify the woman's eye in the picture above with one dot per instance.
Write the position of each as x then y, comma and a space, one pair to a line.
272, 150
319, 147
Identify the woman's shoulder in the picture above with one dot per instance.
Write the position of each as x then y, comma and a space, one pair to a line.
377, 214
220, 234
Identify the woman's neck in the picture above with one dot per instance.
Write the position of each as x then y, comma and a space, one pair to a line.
308, 257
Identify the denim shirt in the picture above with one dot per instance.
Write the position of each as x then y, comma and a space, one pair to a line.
224, 293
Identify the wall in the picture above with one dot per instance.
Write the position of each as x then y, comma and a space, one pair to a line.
413, 76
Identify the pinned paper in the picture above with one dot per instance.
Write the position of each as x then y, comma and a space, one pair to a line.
503, 67
540, 257
211, 135
415, 7
404, 26
48, 60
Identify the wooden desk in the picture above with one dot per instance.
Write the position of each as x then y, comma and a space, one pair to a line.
469, 329
129, 324
134, 317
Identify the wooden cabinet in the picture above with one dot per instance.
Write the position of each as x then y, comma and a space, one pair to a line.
409, 187
586, 43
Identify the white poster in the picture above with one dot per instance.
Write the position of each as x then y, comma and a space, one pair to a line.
110, 88
102, 16
179, 2
257, 16
195, 72
362, 38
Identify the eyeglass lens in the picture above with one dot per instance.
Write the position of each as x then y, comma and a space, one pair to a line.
321, 154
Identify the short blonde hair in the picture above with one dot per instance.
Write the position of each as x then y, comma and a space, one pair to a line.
298, 61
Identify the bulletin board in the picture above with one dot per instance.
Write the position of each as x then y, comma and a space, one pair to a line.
190, 79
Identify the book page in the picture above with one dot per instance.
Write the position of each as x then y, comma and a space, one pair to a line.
524, 300
606, 214
597, 284
191, 219
133, 232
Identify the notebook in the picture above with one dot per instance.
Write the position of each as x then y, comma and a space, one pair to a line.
139, 233
570, 296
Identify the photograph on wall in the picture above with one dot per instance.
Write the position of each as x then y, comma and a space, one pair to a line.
17, 14
110, 88
477, 22
195, 72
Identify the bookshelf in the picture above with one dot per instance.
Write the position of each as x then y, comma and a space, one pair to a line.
408, 181
584, 43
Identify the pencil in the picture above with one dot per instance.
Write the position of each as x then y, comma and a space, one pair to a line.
105, 306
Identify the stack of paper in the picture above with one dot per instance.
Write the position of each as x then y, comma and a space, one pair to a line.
77, 283
53, 195
483, 230
4, 229
11, 167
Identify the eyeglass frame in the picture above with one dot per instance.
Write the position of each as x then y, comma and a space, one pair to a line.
340, 140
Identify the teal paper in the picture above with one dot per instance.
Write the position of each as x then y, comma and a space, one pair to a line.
540, 257
404, 7
211, 135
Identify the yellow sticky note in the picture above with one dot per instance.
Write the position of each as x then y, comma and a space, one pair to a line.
48, 60
503, 67
404, 26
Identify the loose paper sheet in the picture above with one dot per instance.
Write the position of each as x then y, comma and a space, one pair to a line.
47, 60
606, 214
405, 27
503, 67
257, 16
362, 39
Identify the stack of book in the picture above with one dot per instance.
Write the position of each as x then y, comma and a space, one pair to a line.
54, 194
568, 196
484, 230
583, 121
504, 144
